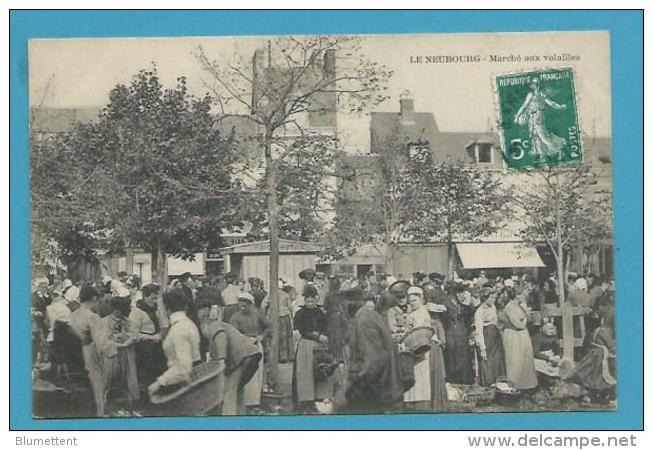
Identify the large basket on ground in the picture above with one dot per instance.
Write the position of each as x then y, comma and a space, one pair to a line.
418, 340
201, 395
472, 394
507, 394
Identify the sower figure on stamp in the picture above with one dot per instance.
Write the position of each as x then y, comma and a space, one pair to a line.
531, 114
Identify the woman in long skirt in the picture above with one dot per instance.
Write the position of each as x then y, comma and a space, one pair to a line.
286, 341
488, 340
456, 353
419, 396
310, 321
439, 399
520, 364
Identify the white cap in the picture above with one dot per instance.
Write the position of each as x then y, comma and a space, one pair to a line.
414, 290
580, 283
72, 294
118, 289
106, 279
509, 283
67, 283
246, 296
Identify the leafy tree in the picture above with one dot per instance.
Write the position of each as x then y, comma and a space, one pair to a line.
58, 190
304, 81
457, 202
561, 209
306, 183
410, 198
159, 172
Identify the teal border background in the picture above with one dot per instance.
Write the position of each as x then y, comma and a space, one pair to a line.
626, 28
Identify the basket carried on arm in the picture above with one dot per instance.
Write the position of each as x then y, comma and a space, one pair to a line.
204, 392
417, 341
324, 364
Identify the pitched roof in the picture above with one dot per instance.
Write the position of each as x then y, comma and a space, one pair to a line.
384, 124
60, 120
451, 146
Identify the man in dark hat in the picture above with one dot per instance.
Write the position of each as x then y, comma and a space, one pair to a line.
438, 295
399, 288
457, 320
397, 313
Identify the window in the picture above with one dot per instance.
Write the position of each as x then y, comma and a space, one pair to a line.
419, 150
484, 154
344, 269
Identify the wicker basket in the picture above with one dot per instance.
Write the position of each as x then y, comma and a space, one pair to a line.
198, 397
418, 340
507, 397
474, 394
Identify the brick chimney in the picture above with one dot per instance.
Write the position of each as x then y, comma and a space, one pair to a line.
407, 107
330, 62
258, 66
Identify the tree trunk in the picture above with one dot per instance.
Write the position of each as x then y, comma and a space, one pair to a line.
450, 251
450, 259
565, 307
273, 215
160, 265
388, 258
130, 261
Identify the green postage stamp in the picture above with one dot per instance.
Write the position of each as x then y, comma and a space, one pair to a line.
539, 119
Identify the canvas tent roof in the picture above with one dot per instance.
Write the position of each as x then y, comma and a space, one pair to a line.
495, 255
263, 247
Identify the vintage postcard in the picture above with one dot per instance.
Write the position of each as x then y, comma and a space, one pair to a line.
317, 225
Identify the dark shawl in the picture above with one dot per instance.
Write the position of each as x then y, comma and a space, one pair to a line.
374, 383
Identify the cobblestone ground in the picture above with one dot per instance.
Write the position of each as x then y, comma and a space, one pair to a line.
74, 400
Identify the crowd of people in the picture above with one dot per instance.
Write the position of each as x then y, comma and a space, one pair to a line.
387, 344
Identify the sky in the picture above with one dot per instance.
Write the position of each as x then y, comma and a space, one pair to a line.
74, 73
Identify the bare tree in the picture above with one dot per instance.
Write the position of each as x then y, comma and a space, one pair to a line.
293, 78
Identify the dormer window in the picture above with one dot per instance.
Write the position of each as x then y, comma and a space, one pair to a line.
484, 153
